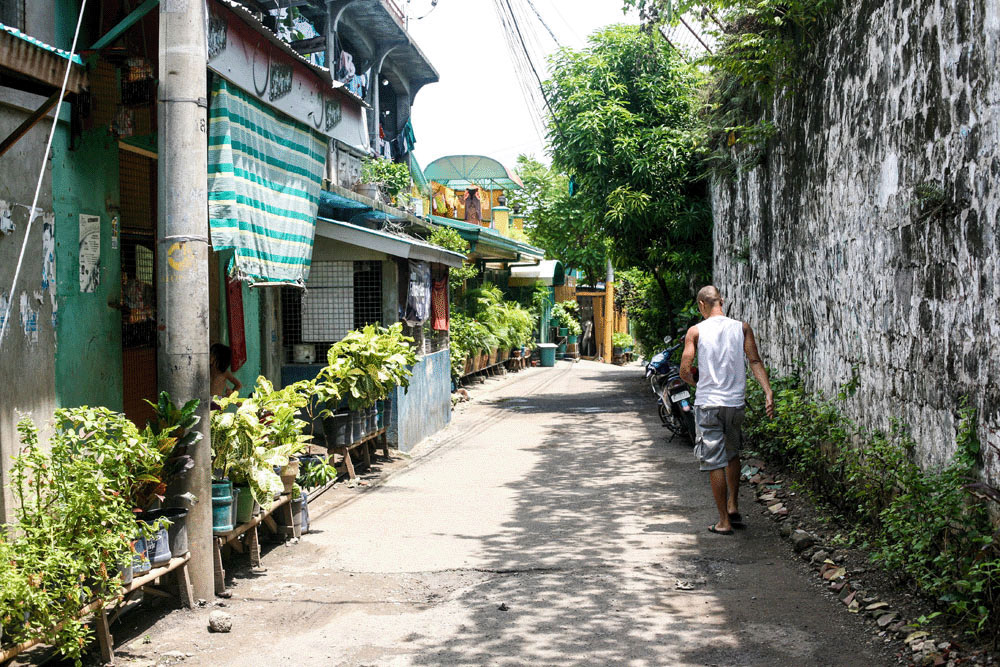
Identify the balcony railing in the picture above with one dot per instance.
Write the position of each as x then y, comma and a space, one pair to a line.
396, 10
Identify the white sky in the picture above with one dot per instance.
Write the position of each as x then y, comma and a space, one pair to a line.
478, 108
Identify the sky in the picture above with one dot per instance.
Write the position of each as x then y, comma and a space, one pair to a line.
478, 108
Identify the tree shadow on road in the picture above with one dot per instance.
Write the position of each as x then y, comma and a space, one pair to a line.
606, 558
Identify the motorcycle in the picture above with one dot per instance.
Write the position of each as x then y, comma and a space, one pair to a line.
673, 396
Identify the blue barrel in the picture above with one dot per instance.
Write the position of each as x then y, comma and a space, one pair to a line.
222, 506
547, 352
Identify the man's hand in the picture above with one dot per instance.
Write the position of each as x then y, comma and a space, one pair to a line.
769, 405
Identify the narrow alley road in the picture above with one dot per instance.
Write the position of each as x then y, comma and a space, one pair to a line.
551, 523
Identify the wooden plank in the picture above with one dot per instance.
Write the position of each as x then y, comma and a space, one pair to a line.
29, 123
104, 638
184, 589
220, 573
271, 525
253, 544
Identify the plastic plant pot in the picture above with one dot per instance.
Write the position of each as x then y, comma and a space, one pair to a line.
547, 354
244, 505
177, 535
140, 561
235, 507
357, 425
572, 338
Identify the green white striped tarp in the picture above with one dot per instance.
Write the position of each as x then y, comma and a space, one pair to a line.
265, 172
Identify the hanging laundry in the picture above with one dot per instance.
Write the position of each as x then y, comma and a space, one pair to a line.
473, 206
237, 330
439, 305
418, 294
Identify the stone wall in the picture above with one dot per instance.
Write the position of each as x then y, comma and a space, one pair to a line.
822, 248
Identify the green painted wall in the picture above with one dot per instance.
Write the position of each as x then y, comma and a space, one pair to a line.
249, 372
88, 360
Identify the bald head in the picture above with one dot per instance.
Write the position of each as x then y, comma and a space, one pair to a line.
710, 296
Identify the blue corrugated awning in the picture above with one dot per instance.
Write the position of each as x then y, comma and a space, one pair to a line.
329, 202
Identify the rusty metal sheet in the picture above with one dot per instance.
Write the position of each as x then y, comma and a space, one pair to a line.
24, 55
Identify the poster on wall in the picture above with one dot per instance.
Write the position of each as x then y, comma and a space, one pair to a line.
90, 252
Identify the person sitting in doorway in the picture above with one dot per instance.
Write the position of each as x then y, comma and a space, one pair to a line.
221, 358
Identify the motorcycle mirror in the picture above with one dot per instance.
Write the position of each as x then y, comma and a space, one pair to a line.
666, 339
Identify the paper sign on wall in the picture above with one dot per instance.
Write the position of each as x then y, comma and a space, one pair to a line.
90, 252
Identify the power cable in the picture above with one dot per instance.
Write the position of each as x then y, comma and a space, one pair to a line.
541, 86
41, 173
542, 21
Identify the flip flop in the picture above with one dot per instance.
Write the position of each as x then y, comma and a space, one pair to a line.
713, 529
736, 519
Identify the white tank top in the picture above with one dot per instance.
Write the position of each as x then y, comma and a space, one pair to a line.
722, 375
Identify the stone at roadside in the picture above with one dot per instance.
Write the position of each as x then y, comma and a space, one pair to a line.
808, 553
854, 607
775, 508
837, 586
801, 540
876, 606
768, 498
834, 573
839, 556
220, 621
847, 599
787, 530
820, 556
884, 620
914, 637
173, 655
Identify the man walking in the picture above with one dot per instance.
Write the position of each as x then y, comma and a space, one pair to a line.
724, 346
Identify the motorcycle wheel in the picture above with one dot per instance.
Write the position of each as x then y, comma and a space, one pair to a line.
689, 427
669, 421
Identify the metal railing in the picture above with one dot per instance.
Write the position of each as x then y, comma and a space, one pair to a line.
396, 10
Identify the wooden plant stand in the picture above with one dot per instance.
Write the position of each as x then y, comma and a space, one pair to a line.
146, 583
368, 444
248, 531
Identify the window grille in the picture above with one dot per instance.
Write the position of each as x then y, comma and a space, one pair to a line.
137, 183
339, 297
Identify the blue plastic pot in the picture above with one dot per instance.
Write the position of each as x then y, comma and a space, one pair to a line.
222, 506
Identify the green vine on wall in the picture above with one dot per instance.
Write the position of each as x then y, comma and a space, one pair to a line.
760, 48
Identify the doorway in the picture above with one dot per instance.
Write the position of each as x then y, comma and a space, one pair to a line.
137, 188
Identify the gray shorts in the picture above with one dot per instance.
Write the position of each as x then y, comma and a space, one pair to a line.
719, 435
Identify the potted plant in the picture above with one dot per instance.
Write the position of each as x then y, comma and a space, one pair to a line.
383, 179
619, 341
573, 331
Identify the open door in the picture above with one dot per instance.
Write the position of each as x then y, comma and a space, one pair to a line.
138, 261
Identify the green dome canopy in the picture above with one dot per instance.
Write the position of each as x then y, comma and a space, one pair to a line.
460, 172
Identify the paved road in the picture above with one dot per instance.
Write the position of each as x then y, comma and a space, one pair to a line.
557, 496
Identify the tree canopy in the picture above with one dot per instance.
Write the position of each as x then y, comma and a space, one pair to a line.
624, 126
552, 219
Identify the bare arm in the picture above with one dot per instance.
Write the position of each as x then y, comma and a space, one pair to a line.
758, 368
687, 357
237, 385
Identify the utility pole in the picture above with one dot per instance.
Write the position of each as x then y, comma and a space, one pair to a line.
182, 254
609, 312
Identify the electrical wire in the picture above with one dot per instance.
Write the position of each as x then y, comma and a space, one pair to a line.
41, 173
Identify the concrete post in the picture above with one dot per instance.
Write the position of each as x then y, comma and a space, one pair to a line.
609, 312
182, 253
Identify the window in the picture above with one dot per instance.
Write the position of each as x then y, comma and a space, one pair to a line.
339, 297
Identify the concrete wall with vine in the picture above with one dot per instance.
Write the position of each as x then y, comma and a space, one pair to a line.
867, 234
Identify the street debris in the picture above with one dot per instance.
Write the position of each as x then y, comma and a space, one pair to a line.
220, 621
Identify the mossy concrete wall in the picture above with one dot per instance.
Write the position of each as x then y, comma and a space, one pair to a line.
822, 248
88, 353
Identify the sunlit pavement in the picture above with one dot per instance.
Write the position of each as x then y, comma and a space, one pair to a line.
551, 523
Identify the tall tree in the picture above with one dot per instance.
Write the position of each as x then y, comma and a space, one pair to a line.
552, 219
624, 126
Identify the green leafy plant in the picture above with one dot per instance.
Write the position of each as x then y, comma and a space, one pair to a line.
367, 365
931, 526
566, 311
73, 522
449, 239
316, 473
392, 178
621, 339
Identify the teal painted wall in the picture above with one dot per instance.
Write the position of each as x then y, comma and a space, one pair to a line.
249, 372
88, 361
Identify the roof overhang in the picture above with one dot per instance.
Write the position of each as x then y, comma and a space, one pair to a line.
390, 244
488, 244
35, 67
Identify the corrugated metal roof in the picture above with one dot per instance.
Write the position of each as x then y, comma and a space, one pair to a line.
29, 57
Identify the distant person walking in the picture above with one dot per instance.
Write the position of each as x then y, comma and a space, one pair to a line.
724, 347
